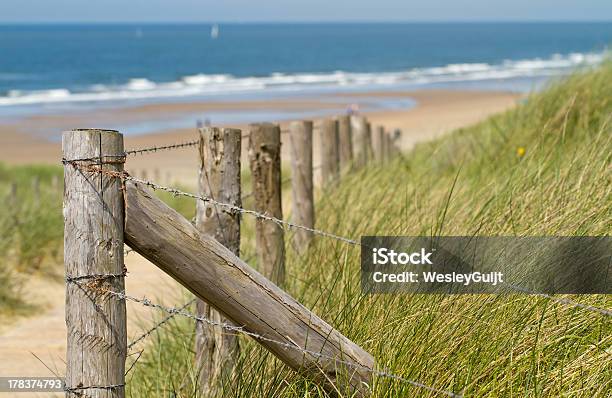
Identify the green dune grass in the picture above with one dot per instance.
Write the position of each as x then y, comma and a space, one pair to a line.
540, 169
31, 230
543, 168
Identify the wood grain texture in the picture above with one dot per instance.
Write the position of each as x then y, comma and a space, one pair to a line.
330, 157
216, 275
386, 147
219, 178
93, 244
378, 137
369, 150
265, 163
303, 212
345, 143
359, 128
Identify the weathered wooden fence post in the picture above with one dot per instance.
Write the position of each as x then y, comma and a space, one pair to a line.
386, 147
272, 317
378, 137
330, 161
369, 150
265, 163
345, 143
219, 178
300, 137
396, 141
360, 140
93, 255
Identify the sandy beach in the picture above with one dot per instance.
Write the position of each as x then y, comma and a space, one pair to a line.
36, 139
436, 112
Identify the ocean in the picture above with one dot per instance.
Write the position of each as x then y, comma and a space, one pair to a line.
42, 65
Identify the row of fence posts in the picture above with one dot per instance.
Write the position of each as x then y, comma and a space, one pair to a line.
346, 142
35, 187
96, 325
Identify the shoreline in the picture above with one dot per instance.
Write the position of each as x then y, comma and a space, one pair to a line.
436, 112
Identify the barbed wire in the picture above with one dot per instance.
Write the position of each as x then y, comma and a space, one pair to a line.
234, 208
162, 148
283, 223
177, 192
181, 312
120, 158
561, 300
93, 387
157, 326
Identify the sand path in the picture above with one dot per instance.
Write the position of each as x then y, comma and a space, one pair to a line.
45, 333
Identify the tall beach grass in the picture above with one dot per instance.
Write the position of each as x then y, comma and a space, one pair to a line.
542, 168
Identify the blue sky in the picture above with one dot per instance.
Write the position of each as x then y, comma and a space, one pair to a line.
305, 10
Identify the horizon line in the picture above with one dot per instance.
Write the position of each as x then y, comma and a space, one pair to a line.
314, 22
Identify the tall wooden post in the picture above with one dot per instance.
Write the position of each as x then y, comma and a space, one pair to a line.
345, 143
290, 331
264, 159
378, 136
330, 161
359, 129
219, 178
93, 246
386, 143
397, 140
369, 150
300, 137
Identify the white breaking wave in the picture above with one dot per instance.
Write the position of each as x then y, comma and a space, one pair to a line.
203, 84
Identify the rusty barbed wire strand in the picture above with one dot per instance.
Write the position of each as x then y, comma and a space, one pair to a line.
120, 158
93, 387
157, 326
181, 312
290, 225
282, 223
231, 207
176, 192
162, 148
95, 277
561, 300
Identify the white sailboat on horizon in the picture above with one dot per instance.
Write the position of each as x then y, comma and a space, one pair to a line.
214, 31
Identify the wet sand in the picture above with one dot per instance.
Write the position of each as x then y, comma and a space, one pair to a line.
44, 334
436, 112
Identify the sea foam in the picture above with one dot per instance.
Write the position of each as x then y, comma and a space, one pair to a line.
212, 84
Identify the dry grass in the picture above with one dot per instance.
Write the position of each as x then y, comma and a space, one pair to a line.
475, 181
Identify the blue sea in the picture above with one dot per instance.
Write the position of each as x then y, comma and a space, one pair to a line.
43, 66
